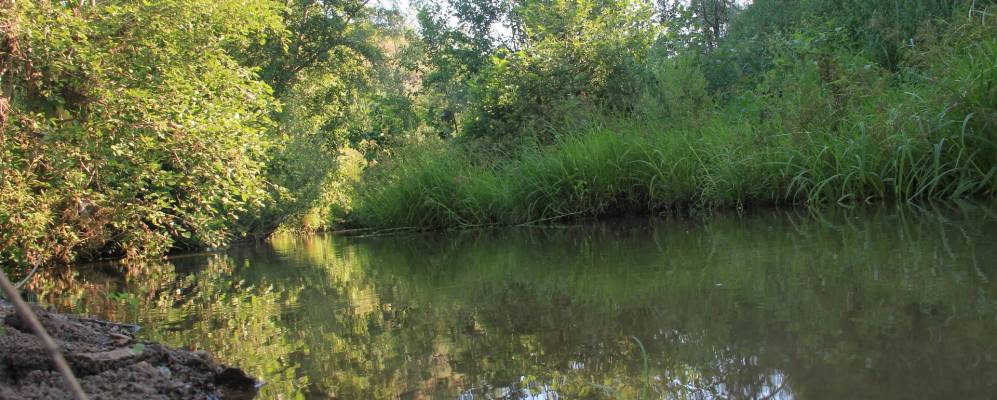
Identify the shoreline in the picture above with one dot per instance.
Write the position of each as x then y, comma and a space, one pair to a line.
109, 362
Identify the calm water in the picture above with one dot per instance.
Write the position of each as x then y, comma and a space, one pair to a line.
882, 303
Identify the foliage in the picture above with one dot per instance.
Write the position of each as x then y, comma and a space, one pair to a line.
135, 128
817, 122
129, 128
317, 33
881, 32
577, 55
454, 53
339, 71
697, 25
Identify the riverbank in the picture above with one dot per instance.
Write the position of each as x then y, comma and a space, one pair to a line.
633, 169
110, 362
820, 125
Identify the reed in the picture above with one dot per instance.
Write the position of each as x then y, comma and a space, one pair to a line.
864, 135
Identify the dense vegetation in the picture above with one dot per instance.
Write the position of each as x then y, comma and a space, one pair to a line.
779, 102
133, 128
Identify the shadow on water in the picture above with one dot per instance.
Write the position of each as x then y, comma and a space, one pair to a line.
878, 303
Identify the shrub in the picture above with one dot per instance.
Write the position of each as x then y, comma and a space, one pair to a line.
130, 128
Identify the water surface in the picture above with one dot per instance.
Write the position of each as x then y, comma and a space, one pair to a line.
875, 303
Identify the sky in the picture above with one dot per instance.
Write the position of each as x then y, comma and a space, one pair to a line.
405, 6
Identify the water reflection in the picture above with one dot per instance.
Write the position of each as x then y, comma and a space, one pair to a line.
874, 303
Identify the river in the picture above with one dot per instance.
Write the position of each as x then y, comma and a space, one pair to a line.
883, 302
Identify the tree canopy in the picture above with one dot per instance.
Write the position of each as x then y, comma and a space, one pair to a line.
133, 128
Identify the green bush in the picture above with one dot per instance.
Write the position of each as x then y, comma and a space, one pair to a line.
578, 56
823, 125
880, 31
130, 128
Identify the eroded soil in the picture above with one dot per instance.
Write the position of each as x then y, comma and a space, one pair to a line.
109, 362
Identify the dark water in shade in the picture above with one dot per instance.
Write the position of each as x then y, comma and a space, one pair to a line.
880, 303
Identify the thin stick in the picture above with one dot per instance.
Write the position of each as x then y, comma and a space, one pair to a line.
53, 349
20, 284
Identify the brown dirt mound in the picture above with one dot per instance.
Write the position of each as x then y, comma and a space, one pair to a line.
109, 363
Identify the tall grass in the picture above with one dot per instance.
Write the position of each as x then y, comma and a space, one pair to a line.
827, 129
629, 170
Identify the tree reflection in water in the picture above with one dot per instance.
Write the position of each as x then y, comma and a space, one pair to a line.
873, 303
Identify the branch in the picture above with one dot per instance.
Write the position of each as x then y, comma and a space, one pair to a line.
20, 284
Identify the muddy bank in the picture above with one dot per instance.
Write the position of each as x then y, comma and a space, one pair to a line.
109, 362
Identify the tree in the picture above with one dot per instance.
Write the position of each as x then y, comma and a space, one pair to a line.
577, 55
697, 23
130, 127
317, 33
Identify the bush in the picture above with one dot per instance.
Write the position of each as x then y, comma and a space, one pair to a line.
579, 56
823, 125
130, 128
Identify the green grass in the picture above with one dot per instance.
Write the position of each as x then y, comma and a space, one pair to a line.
628, 169
860, 135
